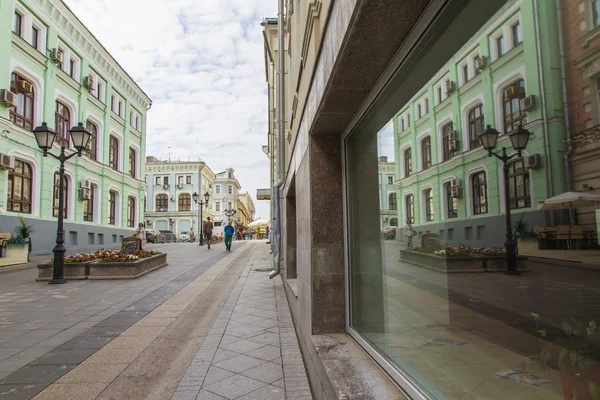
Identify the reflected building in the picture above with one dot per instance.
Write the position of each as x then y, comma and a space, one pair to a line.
387, 193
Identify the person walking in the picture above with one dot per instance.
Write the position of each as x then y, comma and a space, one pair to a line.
267, 230
410, 233
141, 233
228, 235
208, 228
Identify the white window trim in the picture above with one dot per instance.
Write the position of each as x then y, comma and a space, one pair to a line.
420, 137
402, 150
71, 105
138, 161
499, 87
38, 85
42, 35
508, 26
442, 121
422, 207
443, 199
97, 202
531, 190
118, 206
464, 112
120, 157
404, 204
100, 139
136, 214
461, 78
154, 202
35, 183
468, 191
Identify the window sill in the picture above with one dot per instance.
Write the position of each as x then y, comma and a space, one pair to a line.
28, 49
507, 57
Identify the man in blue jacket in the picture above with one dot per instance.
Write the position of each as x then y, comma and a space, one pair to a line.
228, 235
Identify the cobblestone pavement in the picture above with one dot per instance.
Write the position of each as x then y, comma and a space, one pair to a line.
251, 351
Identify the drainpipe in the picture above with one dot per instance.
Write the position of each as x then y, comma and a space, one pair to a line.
281, 149
565, 101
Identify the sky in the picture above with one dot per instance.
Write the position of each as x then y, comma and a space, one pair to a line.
201, 62
385, 141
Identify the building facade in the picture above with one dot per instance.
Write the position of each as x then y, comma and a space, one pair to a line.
581, 27
225, 199
170, 185
387, 193
447, 184
246, 210
52, 69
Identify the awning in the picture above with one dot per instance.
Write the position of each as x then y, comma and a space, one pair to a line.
263, 194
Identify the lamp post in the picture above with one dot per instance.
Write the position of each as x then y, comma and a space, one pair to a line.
519, 138
45, 139
197, 200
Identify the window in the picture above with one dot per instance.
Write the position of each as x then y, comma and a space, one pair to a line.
188, 180
410, 209
429, 211
158, 180
479, 187
137, 122
230, 189
22, 114
131, 212
162, 203
500, 46
451, 202
61, 53
180, 180
426, 152
98, 91
120, 109
447, 151
112, 102
113, 153
88, 207
390, 180
18, 24
465, 73
92, 146
476, 126
477, 70
218, 206
440, 93
419, 111
20, 187
392, 203
132, 161
112, 207
218, 189
62, 124
393, 221
516, 33
518, 185
596, 12
511, 100
56, 194
408, 120
402, 125
165, 180
185, 202
426, 106
73, 68
131, 118
407, 163
35, 37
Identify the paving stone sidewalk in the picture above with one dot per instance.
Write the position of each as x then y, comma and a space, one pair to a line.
251, 351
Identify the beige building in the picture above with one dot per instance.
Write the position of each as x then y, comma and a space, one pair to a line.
245, 209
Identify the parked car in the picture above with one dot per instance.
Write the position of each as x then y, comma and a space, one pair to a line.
389, 233
184, 236
154, 236
169, 236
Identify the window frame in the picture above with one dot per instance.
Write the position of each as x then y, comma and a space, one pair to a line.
91, 149
426, 153
479, 195
88, 206
132, 162
390, 180
393, 201
514, 103
18, 119
161, 199
473, 120
131, 212
35, 36
513, 185
184, 202
188, 180
451, 202
500, 46
428, 204
62, 132
517, 35
407, 154
23, 177
112, 207
409, 204
55, 194
113, 152
447, 153
18, 16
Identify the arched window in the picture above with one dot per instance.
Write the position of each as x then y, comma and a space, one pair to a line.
407, 162
479, 187
132, 160
62, 124
392, 203
511, 101
112, 207
20, 187
429, 211
476, 126
451, 202
88, 206
92, 146
113, 153
426, 152
518, 185
446, 149
410, 209
185, 202
22, 114
393, 221
56, 193
162, 203
131, 212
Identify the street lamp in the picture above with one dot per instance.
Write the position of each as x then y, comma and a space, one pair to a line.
45, 139
519, 138
197, 200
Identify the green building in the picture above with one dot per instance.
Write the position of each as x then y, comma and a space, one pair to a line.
446, 183
52, 69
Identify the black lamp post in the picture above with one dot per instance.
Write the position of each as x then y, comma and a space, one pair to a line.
519, 138
229, 212
197, 200
45, 139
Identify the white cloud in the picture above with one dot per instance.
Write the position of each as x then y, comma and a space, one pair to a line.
201, 62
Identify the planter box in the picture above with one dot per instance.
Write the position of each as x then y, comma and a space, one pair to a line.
529, 246
72, 271
498, 263
442, 264
130, 270
15, 254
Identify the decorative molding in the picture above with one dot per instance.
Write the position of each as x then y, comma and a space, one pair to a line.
314, 11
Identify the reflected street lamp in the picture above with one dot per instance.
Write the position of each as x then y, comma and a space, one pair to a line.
519, 138
45, 139
197, 200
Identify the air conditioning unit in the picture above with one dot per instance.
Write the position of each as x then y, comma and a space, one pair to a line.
453, 144
450, 86
455, 182
88, 82
453, 136
456, 192
7, 98
56, 55
26, 86
165, 187
528, 103
85, 184
85, 194
180, 186
480, 62
7, 162
533, 161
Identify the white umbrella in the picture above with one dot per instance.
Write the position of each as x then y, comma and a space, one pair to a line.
258, 222
570, 200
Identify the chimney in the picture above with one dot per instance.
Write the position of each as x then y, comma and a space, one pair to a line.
383, 159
